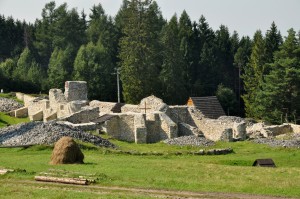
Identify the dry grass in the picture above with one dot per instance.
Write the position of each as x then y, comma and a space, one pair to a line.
66, 151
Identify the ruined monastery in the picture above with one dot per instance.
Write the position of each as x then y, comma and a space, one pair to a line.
149, 121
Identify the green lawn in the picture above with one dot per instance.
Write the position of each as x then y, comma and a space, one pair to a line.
231, 173
6, 120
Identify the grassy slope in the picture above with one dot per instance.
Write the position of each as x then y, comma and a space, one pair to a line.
7, 120
225, 173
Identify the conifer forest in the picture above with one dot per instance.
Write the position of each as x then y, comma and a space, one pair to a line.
255, 76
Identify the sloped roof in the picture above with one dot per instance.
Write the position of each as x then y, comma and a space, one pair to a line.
264, 163
209, 106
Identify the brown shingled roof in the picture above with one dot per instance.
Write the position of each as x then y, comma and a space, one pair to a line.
209, 106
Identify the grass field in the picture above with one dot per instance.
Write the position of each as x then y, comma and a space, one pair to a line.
6, 120
231, 173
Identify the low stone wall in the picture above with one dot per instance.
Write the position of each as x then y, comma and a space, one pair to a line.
140, 132
262, 130
104, 107
278, 129
169, 127
130, 108
27, 99
35, 109
20, 96
185, 129
295, 128
121, 127
21, 112
180, 114
85, 115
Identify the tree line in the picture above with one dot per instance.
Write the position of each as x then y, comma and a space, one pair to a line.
172, 59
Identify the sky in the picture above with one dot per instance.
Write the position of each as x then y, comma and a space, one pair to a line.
244, 16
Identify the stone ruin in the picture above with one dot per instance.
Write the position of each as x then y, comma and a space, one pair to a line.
148, 122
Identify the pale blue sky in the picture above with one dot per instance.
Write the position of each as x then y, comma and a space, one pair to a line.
244, 16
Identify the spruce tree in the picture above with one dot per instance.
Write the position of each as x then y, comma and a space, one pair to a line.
278, 100
253, 75
139, 47
186, 47
171, 75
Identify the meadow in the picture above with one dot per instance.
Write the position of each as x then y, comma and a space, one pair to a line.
125, 167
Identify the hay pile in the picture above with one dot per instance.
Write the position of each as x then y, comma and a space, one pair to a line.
66, 151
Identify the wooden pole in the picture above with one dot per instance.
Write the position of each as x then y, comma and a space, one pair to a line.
77, 181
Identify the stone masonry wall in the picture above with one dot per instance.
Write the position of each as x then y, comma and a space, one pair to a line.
75, 90
121, 127
105, 107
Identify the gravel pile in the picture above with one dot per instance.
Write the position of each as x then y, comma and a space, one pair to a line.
292, 143
189, 140
45, 133
7, 105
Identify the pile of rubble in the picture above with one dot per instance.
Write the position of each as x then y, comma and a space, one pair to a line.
291, 142
189, 141
45, 133
7, 105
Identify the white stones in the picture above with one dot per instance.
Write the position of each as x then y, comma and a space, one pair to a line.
7, 105
45, 133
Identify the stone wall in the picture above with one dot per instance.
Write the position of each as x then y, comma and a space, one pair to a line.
130, 108
151, 104
27, 99
140, 132
85, 115
295, 128
35, 109
169, 127
121, 127
75, 90
104, 107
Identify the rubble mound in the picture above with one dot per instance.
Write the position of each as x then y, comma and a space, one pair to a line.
294, 142
231, 119
66, 151
45, 133
7, 105
189, 141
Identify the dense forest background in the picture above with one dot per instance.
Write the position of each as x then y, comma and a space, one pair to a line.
255, 77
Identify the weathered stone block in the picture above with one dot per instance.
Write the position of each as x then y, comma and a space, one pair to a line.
83, 116
38, 116
227, 135
75, 90
239, 130
50, 117
186, 129
140, 132
20, 96
21, 112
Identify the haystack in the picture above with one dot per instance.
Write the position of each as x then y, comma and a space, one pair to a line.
66, 151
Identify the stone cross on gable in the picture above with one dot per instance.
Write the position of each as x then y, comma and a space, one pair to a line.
145, 108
